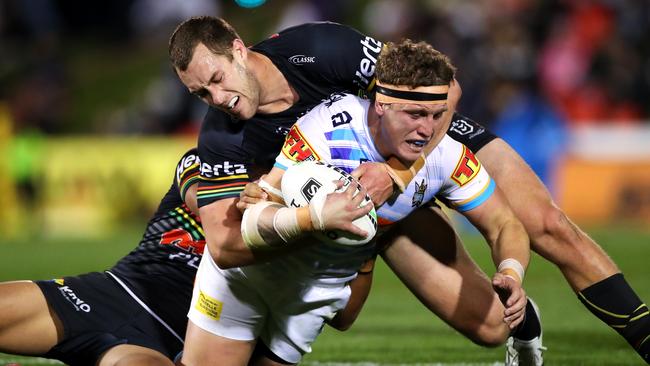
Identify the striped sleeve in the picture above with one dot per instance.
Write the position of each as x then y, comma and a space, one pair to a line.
187, 171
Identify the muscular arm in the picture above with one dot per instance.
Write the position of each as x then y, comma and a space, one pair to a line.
502, 230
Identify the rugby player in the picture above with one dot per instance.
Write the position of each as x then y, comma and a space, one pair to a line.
285, 301
279, 79
134, 313
256, 95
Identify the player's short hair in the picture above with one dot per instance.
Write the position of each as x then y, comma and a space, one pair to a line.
215, 33
413, 64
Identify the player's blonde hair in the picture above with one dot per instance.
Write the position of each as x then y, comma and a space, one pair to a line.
413, 64
215, 33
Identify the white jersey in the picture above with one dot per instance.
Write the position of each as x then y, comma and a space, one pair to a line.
337, 132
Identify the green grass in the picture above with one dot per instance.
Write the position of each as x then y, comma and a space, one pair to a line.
394, 328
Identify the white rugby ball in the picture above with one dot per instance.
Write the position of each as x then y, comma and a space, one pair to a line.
301, 182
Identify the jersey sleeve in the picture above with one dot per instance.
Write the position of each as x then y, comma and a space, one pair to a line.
467, 183
332, 54
187, 171
469, 132
223, 172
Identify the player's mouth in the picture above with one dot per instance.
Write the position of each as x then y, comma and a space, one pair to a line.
417, 145
233, 102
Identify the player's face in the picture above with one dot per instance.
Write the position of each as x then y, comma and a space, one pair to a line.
406, 129
222, 83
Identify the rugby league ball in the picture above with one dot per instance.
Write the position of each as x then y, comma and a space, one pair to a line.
303, 180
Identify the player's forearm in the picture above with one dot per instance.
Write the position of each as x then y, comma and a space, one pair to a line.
510, 244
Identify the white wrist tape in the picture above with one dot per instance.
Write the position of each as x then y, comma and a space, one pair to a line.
285, 223
270, 189
316, 206
513, 264
249, 230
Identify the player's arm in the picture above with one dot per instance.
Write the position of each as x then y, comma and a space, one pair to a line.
510, 248
360, 288
267, 224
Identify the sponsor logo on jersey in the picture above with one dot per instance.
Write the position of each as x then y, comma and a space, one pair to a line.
462, 127
467, 167
183, 240
302, 59
296, 147
310, 188
366, 71
72, 298
187, 162
225, 168
418, 196
209, 306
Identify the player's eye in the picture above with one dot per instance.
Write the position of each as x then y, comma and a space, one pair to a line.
201, 93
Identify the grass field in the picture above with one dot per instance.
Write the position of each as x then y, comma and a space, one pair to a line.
394, 329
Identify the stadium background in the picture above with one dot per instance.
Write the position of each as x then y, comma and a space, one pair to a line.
92, 120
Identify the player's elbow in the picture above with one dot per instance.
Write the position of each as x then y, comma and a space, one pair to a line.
223, 258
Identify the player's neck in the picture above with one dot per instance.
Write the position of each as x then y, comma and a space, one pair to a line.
276, 94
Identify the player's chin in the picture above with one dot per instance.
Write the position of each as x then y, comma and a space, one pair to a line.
408, 153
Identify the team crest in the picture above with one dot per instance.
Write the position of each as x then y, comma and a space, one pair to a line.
467, 168
418, 196
296, 147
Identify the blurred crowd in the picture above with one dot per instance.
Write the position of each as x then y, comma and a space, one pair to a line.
525, 66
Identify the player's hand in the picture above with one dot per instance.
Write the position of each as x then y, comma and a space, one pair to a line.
375, 178
251, 195
339, 209
512, 296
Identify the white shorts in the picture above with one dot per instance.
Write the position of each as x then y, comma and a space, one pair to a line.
247, 303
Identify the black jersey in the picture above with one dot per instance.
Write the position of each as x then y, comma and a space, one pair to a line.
160, 270
318, 60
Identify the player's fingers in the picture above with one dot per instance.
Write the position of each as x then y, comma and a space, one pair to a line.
355, 230
359, 171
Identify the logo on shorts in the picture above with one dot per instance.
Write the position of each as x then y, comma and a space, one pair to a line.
78, 304
302, 59
209, 306
310, 188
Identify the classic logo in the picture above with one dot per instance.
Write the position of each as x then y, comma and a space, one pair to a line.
310, 188
467, 167
296, 146
418, 196
302, 59
78, 304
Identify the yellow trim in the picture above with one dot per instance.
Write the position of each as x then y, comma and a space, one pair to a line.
601, 309
640, 316
240, 176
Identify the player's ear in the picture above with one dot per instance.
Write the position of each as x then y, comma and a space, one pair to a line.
380, 108
239, 49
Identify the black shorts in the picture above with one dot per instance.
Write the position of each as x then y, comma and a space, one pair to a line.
98, 314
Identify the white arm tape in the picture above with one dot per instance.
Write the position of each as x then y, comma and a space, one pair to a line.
316, 206
514, 265
269, 188
249, 229
285, 223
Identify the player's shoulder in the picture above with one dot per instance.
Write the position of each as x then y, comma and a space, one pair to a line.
219, 132
340, 108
